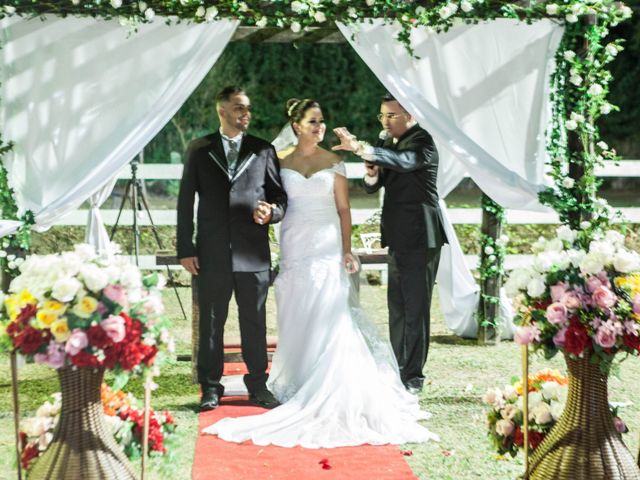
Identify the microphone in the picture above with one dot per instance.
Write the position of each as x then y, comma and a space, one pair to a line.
383, 136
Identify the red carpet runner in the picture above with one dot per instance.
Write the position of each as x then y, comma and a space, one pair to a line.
215, 458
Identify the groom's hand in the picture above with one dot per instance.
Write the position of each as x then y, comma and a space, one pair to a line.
262, 213
190, 264
348, 142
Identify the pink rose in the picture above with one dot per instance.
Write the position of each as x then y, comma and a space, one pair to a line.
557, 314
603, 297
593, 283
526, 335
114, 327
76, 342
619, 424
558, 290
636, 304
605, 337
571, 300
117, 294
558, 338
604, 278
56, 355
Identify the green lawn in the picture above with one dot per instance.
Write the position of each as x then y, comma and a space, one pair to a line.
458, 373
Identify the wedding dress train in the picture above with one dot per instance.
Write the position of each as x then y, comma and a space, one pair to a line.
336, 378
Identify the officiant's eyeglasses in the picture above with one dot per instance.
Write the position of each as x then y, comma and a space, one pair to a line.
389, 116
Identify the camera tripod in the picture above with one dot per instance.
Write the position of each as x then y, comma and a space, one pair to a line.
134, 192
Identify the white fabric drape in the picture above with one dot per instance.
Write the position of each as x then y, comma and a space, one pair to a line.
81, 97
96, 233
482, 92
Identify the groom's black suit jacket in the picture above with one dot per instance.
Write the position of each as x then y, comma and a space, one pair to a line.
227, 238
411, 217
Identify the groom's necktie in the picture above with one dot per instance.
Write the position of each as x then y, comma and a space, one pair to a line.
232, 156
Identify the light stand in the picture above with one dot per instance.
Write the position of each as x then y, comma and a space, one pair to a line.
134, 192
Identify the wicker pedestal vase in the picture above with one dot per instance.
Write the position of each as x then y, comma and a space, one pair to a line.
584, 444
83, 446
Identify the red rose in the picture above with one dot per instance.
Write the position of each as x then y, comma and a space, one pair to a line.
149, 352
30, 452
576, 339
98, 337
112, 355
13, 329
535, 438
541, 305
30, 339
631, 341
131, 356
26, 314
85, 359
133, 331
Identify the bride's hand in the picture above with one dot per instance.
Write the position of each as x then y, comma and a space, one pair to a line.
348, 142
351, 264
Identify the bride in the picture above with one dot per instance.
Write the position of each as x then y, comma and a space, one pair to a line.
336, 378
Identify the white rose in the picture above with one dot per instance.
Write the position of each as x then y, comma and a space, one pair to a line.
552, 9
210, 14
541, 414
595, 89
130, 277
298, 7
466, 6
612, 49
575, 256
420, 10
521, 277
539, 244
511, 288
543, 262
493, 397
510, 392
352, 12
149, 14
116, 3
65, 289
370, 3
504, 427
605, 108
577, 117
10, 9
445, 11
571, 18
295, 27
550, 390
243, 7
320, 17
614, 237
576, 8
556, 408
602, 248
585, 224
262, 22
603, 145
554, 245
570, 124
142, 6
536, 286
565, 233
502, 241
591, 264
535, 399
200, 11
569, 55
568, 182
492, 258
625, 261
489, 250
94, 277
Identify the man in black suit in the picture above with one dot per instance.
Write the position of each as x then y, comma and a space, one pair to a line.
237, 179
405, 163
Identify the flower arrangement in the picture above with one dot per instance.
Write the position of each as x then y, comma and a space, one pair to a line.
547, 391
78, 308
121, 413
579, 301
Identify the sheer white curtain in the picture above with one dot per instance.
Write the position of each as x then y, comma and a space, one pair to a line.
81, 97
96, 233
482, 92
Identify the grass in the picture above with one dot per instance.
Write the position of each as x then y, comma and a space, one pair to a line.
458, 373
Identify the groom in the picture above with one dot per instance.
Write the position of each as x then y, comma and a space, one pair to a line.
237, 179
405, 163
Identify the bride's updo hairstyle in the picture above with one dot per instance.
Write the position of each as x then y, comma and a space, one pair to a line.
295, 109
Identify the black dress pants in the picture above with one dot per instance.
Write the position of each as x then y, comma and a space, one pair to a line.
214, 294
412, 275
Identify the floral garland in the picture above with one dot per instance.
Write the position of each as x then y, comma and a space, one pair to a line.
121, 413
491, 259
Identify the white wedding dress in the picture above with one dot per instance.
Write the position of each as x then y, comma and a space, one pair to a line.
336, 378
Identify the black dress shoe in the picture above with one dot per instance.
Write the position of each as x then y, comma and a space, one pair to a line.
210, 400
264, 398
414, 386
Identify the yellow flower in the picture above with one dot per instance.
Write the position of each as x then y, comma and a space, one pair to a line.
54, 307
630, 283
25, 297
60, 330
85, 307
46, 317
